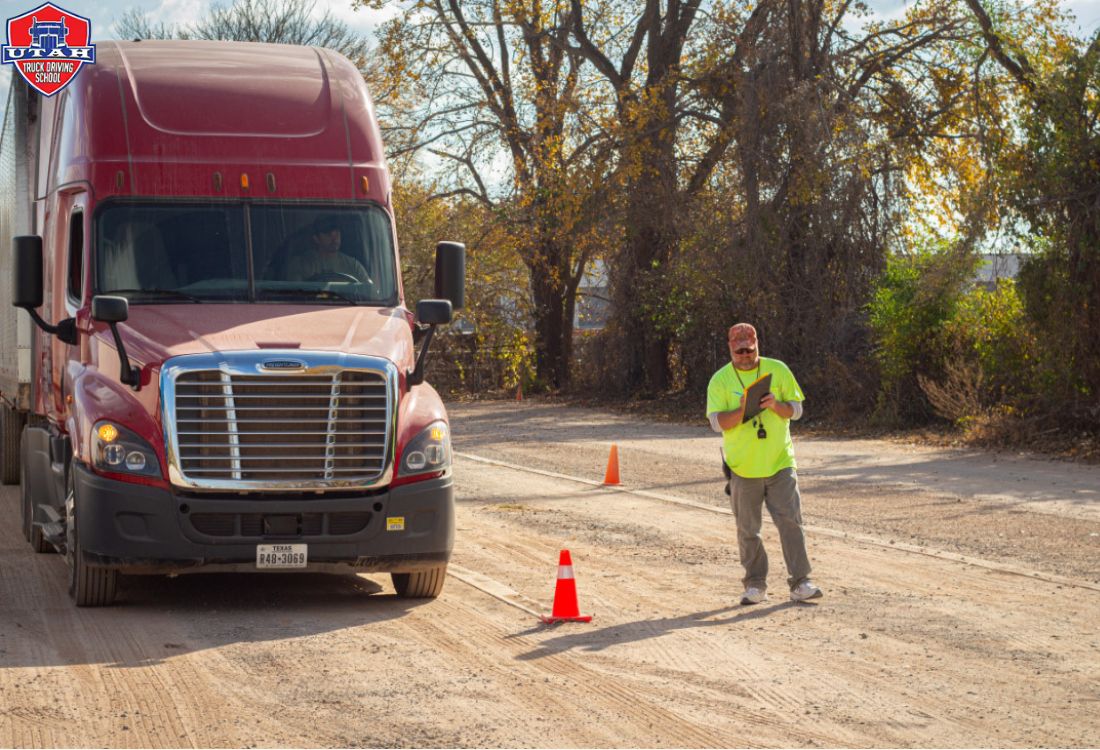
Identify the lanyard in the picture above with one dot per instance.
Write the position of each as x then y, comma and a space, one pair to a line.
742, 382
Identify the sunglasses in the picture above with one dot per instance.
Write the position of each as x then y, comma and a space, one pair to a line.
744, 351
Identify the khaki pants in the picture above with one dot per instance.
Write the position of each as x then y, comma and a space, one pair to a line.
780, 493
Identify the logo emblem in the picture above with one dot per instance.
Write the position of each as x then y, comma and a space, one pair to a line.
48, 46
283, 364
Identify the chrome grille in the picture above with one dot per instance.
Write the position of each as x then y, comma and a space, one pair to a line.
320, 427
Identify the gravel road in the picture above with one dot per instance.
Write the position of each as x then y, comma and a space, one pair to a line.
962, 592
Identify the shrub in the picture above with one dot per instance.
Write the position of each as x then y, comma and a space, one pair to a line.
913, 302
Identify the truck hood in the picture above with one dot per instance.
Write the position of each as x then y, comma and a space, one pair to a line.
155, 333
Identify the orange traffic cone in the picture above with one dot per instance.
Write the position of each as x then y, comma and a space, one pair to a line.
612, 474
565, 595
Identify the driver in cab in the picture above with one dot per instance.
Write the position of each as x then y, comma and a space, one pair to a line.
322, 259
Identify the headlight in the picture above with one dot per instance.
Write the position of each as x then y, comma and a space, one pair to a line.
428, 452
117, 449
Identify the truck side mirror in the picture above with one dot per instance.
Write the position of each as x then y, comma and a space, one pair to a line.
450, 273
27, 276
113, 310
26, 283
434, 311
109, 309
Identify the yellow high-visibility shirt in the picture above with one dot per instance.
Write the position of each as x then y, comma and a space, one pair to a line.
747, 455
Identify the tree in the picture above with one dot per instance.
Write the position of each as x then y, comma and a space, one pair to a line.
275, 21
652, 95
778, 119
1053, 179
496, 86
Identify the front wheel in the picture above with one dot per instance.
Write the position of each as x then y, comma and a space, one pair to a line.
89, 585
423, 584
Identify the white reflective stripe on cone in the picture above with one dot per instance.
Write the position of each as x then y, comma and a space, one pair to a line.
565, 571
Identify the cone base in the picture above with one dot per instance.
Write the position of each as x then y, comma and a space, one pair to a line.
611, 484
550, 619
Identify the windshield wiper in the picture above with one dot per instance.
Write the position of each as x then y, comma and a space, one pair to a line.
157, 292
302, 292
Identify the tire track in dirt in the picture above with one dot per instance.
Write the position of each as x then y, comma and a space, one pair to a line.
598, 692
779, 704
772, 706
893, 710
105, 661
241, 682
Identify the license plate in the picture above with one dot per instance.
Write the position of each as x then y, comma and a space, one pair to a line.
281, 555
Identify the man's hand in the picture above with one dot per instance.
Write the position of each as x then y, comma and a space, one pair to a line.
781, 408
727, 420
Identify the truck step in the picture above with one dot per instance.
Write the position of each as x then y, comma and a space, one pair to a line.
53, 530
54, 533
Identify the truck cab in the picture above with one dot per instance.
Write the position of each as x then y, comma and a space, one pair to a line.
222, 372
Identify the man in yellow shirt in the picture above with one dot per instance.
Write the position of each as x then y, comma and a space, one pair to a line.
760, 455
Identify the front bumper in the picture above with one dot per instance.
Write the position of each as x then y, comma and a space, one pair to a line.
139, 529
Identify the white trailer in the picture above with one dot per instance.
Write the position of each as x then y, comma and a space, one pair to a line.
19, 170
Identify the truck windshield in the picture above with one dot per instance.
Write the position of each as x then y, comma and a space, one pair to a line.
164, 253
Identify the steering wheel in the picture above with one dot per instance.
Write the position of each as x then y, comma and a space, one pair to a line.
333, 276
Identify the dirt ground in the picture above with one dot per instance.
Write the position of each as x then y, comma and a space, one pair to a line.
962, 595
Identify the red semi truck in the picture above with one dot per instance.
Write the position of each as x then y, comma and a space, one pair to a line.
221, 373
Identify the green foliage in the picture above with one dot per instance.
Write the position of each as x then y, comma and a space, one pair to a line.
488, 347
952, 347
913, 302
1054, 176
1049, 170
991, 329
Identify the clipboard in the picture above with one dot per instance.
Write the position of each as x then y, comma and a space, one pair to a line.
756, 391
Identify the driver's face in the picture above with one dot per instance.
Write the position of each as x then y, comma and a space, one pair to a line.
327, 242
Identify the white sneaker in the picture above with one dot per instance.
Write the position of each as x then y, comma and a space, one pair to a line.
805, 590
753, 595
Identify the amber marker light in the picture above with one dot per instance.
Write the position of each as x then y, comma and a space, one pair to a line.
244, 182
437, 433
108, 433
365, 182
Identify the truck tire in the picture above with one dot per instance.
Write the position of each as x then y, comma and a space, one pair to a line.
423, 584
31, 533
89, 585
11, 433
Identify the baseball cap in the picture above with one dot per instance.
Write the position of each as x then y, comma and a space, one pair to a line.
742, 335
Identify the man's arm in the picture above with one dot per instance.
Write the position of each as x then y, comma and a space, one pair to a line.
784, 409
358, 271
727, 420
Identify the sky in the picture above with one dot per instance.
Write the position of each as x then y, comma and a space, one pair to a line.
104, 13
